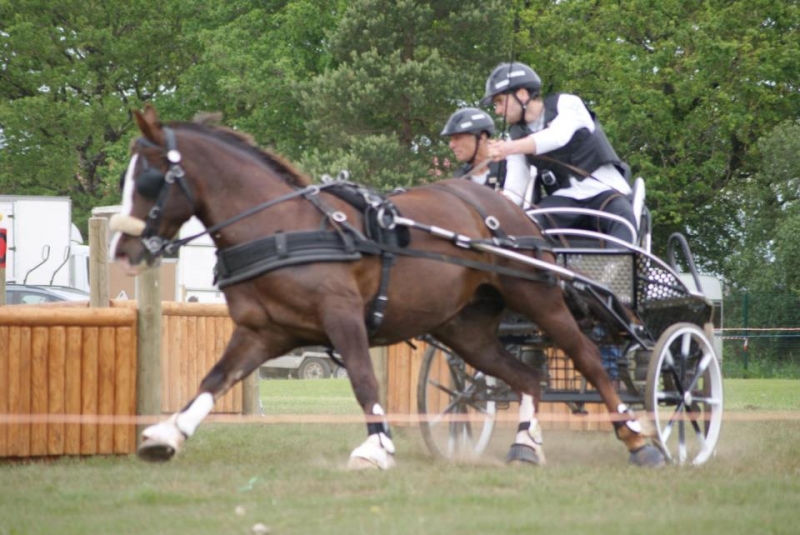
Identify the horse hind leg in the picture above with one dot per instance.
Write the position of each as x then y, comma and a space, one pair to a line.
553, 317
245, 352
472, 335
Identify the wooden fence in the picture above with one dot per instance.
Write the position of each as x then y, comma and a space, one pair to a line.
402, 370
67, 362
79, 364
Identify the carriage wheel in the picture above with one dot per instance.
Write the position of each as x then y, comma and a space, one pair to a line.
683, 394
452, 399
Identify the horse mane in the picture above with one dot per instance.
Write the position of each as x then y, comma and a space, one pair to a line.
206, 123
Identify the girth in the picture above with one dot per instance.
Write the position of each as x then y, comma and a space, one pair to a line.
249, 260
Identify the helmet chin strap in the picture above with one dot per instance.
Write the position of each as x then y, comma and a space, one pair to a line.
524, 106
475, 152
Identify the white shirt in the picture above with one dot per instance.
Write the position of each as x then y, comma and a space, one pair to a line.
572, 116
516, 183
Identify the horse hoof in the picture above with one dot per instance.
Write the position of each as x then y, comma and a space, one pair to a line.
155, 452
376, 452
524, 454
648, 456
160, 442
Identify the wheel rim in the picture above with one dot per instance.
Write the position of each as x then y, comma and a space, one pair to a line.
457, 416
684, 395
313, 370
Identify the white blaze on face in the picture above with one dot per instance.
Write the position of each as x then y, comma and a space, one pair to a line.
127, 201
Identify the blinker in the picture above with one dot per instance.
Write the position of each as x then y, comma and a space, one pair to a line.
149, 183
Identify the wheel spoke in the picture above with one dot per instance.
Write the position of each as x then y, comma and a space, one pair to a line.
447, 410
440, 386
684, 394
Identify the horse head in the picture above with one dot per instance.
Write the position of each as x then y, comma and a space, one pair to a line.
194, 168
157, 197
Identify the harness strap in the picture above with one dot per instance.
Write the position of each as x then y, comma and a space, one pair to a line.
490, 221
543, 277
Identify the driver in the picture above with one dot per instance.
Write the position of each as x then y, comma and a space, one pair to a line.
560, 136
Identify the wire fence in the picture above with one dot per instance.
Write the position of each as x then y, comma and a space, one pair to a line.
761, 335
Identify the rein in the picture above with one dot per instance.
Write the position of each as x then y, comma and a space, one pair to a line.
173, 245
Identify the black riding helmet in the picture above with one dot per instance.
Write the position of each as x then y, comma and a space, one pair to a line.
507, 77
469, 121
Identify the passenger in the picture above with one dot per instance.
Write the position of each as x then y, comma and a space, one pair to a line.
561, 137
470, 130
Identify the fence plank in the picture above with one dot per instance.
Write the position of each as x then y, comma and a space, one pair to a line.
223, 405
4, 362
56, 367
174, 378
166, 370
89, 389
23, 439
125, 390
188, 331
105, 388
39, 390
73, 388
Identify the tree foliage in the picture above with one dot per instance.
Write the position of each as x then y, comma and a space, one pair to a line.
72, 71
685, 92
399, 69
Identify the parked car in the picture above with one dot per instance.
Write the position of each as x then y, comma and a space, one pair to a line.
31, 294
303, 363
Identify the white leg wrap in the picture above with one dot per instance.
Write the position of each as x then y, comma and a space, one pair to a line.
526, 408
188, 420
531, 437
633, 424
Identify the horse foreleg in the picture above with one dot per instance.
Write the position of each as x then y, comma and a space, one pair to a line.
349, 336
245, 352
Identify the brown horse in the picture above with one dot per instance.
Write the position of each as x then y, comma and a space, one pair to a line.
298, 268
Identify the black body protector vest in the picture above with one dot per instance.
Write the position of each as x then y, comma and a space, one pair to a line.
586, 151
494, 180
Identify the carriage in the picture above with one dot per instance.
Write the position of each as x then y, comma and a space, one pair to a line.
338, 265
662, 357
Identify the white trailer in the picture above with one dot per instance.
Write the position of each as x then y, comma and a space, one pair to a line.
42, 243
195, 270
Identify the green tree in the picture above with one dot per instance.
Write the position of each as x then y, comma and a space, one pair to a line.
400, 68
71, 72
684, 90
766, 251
253, 56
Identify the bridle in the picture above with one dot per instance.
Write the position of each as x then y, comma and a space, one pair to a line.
154, 184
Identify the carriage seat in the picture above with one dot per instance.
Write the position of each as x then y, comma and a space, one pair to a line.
586, 238
602, 258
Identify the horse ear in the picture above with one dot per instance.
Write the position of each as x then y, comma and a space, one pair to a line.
149, 124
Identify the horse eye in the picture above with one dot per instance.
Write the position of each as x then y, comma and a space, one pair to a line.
149, 183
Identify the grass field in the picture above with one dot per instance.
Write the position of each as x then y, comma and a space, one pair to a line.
292, 478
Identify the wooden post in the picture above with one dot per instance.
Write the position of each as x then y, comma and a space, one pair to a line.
148, 358
250, 394
98, 262
3, 238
